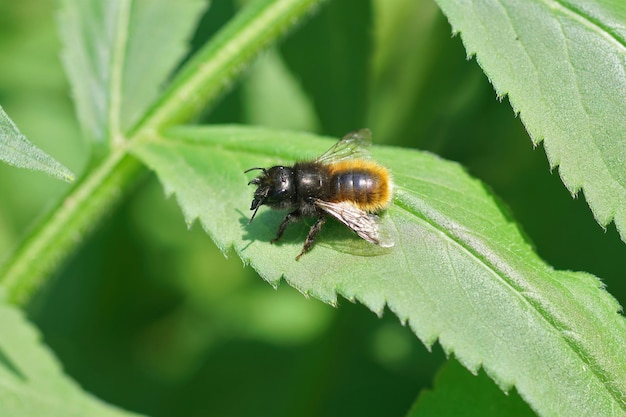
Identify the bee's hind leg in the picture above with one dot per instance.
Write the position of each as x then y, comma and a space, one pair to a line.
315, 229
292, 217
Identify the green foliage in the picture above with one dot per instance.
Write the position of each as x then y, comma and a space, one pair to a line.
562, 67
154, 304
33, 383
16, 150
117, 58
457, 393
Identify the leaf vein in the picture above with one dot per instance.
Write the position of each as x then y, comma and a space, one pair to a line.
118, 56
553, 322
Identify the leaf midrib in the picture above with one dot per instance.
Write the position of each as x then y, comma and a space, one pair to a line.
118, 56
518, 292
589, 22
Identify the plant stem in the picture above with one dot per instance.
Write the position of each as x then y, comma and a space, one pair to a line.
63, 228
197, 85
214, 67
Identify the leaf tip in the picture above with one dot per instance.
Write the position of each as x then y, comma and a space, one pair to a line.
68, 176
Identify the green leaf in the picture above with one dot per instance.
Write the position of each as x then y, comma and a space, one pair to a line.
421, 89
118, 54
16, 150
33, 383
273, 97
339, 91
460, 271
563, 67
457, 393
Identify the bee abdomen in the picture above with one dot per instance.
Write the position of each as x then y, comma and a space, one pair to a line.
363, 183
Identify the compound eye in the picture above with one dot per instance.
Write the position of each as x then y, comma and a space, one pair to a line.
280, 185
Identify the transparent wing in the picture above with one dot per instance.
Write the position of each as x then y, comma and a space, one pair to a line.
354, 145
364, 224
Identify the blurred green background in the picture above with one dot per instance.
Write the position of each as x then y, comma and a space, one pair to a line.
151, 316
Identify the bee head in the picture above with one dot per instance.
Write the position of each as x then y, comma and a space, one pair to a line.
275, 187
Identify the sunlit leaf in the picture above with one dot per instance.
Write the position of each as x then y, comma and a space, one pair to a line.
33, 383
563, 67
119, 53
16, 150
460, 273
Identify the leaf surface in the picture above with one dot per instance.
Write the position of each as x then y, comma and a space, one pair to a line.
563, 67
32, 381
119, 53
460, 272
16, 150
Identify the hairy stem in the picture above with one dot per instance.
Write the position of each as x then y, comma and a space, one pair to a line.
60, 231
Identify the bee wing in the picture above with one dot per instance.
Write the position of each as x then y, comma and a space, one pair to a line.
354, 145
364, 224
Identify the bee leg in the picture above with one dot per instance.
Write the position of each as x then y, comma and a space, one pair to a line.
294, 216
315, 229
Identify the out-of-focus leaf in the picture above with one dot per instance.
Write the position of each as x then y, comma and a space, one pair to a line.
563, 67
460, 271
273, 98
330, 56
118, 54
406, 52
457, 393
422, 90
16, 150
33, 383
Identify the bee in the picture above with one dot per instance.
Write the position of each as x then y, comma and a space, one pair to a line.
343, 183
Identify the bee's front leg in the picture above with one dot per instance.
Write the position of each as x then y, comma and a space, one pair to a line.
315, 229
292, 217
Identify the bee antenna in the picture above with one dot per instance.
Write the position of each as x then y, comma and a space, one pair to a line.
259, 168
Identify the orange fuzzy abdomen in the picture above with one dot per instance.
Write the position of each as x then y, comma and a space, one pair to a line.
364, 183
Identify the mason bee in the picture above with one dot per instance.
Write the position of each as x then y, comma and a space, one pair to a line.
342, 183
